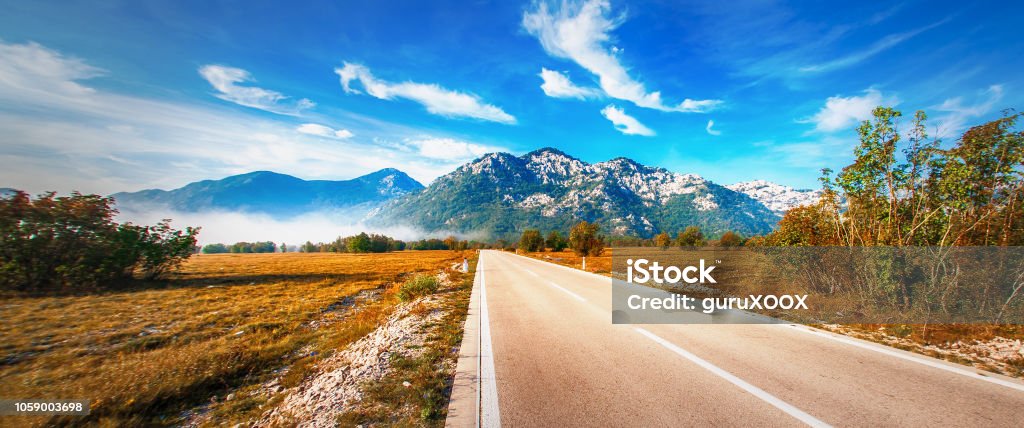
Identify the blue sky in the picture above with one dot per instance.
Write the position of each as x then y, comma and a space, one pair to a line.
104, 96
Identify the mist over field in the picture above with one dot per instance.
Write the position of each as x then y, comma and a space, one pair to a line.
228, 227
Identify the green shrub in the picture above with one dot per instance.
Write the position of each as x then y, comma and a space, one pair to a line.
420, 285
71, 243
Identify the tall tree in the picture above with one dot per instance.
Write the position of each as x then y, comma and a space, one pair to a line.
585, 240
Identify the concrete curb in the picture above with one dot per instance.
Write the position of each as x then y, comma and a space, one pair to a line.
464, 405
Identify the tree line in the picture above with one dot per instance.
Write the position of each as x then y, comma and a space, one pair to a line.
377, 243
584, 239
244, 247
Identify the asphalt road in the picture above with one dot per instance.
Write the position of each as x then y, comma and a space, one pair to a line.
547, 354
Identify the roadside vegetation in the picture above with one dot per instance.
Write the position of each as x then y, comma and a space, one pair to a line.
217, 340
417, 390
71, 244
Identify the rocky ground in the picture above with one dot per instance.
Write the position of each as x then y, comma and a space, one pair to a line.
998, 354
319, 400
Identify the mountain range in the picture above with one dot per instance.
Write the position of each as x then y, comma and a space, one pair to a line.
499, 195
278, 195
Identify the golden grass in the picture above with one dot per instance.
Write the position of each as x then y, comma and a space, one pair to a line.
601, 265
223, 323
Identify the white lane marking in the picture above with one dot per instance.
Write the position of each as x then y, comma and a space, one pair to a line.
553, 284
892, 352
489, 414
569, 268
574, 295
757, 392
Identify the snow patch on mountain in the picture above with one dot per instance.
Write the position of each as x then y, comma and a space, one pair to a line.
776, 197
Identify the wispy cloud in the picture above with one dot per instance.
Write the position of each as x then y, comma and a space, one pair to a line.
450, 148
712, 131
437, 100
324, 131
843, 112
34, 70
226, 80
580, 32
558, 85
128, 142
957, 114
625, 123
876, 48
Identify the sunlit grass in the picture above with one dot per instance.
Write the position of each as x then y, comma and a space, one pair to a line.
224, 323
597, 264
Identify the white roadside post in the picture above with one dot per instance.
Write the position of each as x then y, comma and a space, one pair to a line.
584, 262
465, 265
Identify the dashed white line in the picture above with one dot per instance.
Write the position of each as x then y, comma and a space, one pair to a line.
559, 287
757, 392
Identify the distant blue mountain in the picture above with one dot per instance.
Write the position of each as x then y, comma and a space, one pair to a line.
278, 195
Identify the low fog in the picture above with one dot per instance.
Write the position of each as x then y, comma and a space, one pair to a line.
230, 227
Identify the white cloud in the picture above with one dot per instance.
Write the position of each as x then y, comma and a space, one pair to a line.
324, 131
450, 149
957, 114
580, 31
843, 112
437, 100
59, 134
36, 70
712, 131
226, 81
558, 85
625, 123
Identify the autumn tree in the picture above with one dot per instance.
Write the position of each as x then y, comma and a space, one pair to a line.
730, 239
585, 240
662, 240
690, 237
452, 243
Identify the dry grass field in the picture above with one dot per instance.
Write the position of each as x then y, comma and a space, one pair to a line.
224, 324
601, 265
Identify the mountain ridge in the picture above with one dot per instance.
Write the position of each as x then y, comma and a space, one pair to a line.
500, 194
279, 195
